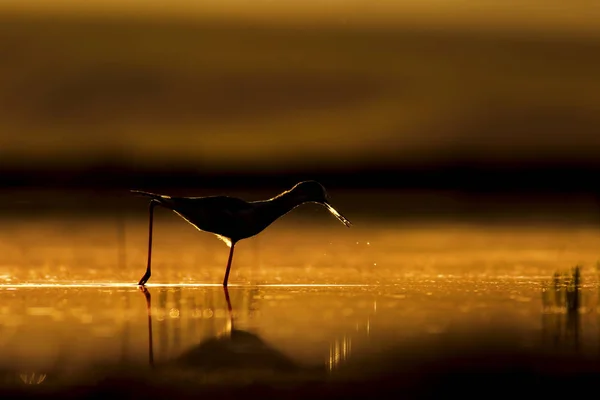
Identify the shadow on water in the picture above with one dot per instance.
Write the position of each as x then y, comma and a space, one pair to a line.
233, 349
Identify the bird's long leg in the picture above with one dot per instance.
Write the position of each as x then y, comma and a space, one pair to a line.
149, 310
146, 276
228, 264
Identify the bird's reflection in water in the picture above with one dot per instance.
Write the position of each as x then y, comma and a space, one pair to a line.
233, 349
149, 309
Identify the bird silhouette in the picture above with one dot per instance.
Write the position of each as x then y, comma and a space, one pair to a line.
232, 219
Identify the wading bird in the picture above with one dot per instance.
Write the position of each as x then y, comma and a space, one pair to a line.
233, 219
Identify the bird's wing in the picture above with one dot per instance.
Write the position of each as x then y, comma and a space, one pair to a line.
222, 215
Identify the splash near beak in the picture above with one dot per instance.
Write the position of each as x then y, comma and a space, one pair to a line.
339, 216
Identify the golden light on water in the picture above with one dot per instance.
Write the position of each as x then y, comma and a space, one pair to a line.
125, 285
339, 352
338, 324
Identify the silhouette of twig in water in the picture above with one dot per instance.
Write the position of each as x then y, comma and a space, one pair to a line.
573, 295
570, 286
564, 298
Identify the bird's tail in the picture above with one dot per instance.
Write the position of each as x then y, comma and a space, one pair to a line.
151, 195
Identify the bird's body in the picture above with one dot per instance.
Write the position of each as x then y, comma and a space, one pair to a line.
233, 219
230, 218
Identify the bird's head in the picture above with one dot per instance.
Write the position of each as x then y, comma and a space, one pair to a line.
313, 191
310, 191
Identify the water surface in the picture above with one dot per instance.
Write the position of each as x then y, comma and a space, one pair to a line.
309, 301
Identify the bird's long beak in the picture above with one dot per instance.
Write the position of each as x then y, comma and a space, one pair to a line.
339, 216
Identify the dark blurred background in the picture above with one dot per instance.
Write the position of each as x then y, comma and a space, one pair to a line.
461, 97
